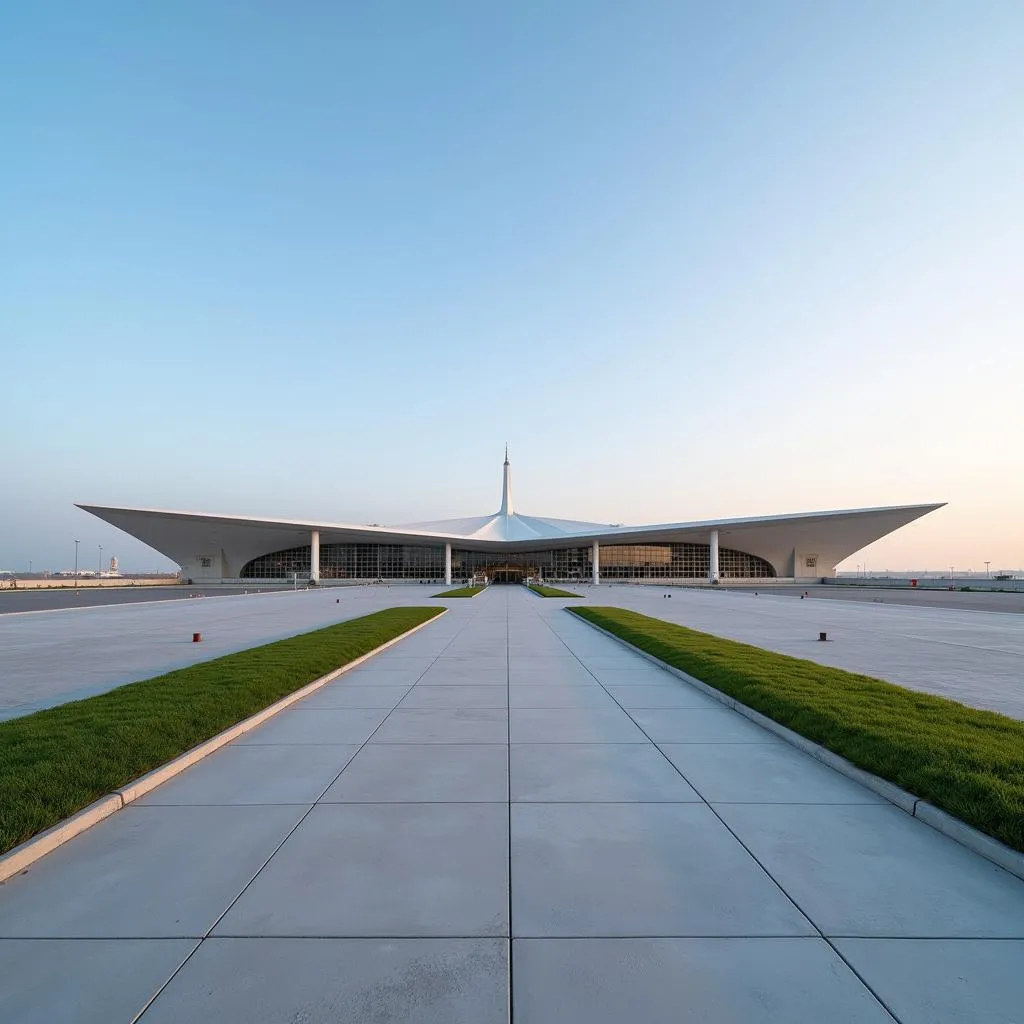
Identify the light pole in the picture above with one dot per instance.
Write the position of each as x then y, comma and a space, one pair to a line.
99, 565
76, 566
987, 564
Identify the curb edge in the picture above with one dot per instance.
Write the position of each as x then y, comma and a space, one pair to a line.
27, 853
952, 827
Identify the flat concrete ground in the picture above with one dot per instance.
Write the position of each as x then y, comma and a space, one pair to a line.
48, 600
924, 597
973, 656
56, 656
510, 816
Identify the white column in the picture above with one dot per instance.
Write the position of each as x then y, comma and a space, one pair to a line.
713, 573
595, 558
314, 556
448, 564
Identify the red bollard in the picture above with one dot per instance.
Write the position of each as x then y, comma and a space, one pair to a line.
197, 637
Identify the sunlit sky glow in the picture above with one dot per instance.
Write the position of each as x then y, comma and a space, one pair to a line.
691, 260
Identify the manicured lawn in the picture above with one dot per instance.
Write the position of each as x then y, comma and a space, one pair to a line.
968, 762
55, 762
461, 592
539, 588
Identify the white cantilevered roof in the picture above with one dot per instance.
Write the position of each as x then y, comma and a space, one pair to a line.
179, 534
486, 531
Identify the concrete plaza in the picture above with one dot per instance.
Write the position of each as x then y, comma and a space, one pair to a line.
971, 655
509, 815
51, 657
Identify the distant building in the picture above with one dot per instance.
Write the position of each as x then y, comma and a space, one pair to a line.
113, 571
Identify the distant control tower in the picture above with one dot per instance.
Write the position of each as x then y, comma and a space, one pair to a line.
113, 566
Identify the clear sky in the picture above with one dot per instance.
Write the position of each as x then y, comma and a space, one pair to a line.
321, 260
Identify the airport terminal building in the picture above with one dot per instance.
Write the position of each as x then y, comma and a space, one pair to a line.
508, 546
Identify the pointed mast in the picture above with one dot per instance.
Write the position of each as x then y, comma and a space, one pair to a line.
506, 488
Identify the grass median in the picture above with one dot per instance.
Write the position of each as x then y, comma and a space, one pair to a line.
55, 762
539, 588
968, 762
461, 592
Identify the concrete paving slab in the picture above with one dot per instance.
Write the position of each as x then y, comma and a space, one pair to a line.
456, 697
324, 981
342, 695
699, 725
642, 673
375, 673
256, 774
594, 773
610, 660
447, 672
763, 773
559, 696
875, 871
424, 773
583, 647
147, 872
572, 725
687, 981
548, 671
638, 870
69, 981
361, 870
943, 981
488, 653
538, 649
661, 695
332, 726
444, 725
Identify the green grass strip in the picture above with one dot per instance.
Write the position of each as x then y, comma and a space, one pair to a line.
539, 588
461, 592
57, 761
968, 762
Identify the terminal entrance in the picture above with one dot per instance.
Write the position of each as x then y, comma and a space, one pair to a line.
505, 573
515, 567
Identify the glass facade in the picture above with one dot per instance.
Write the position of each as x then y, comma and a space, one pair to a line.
352, 562
678, 561
508, 567
414, 562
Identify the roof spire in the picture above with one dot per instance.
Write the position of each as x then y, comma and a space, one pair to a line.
506, 488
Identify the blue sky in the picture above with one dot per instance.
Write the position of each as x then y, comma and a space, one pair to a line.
691, 260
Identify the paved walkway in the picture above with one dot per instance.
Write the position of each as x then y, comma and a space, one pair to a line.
508, 773
972, 656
